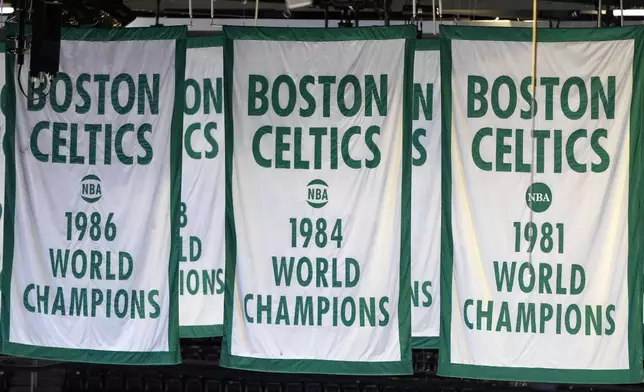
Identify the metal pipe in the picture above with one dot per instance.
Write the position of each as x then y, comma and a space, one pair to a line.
256, 11
22, 20
599, 14
386, 3
326, 16
157, 13
434, 16
621, 15
190, 11
413, 10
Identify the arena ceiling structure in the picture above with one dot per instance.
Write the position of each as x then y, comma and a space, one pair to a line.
210, 15
552, 13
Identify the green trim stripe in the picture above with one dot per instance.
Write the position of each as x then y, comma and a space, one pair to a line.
176, 156
428, 44
125, 34
200, 331
426, 343
404, 365
404, 297
205, 42
635, 210
635, 373
447, 241
518, 34
92, 356
318, 34
231, 237
9, 195
173, 355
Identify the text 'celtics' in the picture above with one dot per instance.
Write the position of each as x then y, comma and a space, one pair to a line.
99, 94
501, 149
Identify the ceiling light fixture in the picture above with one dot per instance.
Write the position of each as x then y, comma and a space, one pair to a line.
633, 12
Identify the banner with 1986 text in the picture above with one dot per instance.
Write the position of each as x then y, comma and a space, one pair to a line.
542, 281
94, 159
318, 166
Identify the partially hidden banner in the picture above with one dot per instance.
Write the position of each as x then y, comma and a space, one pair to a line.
426, 196
92, 200
202, 259
318, 171
541, 268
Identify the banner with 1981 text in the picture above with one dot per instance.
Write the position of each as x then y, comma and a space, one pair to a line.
426, 196
93, 189
317, 234
202, 259
543, 279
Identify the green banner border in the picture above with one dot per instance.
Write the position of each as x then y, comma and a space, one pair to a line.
404, 366
208, 41
173, 355
215, 330
200, 331
576, 376
318, 34
427, 44
426, 342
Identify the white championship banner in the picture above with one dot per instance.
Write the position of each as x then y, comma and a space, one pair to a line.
541, 267
202, 259
426, 196
318, 173
93, 191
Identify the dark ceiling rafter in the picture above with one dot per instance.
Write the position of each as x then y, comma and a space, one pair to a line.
397, 10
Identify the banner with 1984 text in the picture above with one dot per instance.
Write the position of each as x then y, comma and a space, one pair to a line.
318, 171
426, 196
541, 280
93, 191
202, 259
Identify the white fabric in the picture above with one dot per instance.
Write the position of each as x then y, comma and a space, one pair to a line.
367, 201
135, 199
201, 278
426, 196
591, 206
